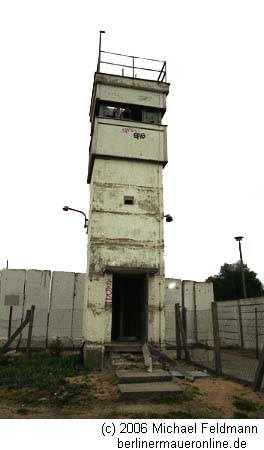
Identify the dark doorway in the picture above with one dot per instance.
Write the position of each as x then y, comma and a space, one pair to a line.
129, 307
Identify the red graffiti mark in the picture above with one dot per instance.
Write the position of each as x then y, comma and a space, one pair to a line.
108, 292
128, 130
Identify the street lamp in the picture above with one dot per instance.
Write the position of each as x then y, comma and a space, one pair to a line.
239, 239
168, 218
67, 208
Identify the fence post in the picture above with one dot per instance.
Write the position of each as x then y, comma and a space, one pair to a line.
4, 348
182, 332
184, 319
177, 332
257, 334
240, 325
217, 349
195, 321
259, 372
30, 328
10, 322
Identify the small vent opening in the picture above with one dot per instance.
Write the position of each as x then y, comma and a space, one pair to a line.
128, 200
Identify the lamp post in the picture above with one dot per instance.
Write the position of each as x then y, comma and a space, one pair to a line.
67, 208
239, 239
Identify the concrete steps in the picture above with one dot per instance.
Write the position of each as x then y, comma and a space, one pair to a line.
130, 361
124, 348
150, 389
128, 377
134, 380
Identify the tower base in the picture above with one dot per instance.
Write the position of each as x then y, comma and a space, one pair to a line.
93, 356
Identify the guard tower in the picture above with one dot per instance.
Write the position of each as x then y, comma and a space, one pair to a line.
124, 299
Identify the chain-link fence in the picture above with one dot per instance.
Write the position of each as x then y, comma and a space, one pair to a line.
198, 329
241, 335
227, 339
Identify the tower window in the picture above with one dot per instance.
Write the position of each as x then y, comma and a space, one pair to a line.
135, 113
128, 200
151, 116
114, 112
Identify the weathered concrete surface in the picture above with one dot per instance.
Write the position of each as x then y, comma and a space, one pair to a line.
197, 298
64, 302
37, 290
126, 376
133, 238
77, 313
173, 295
12, 283
148, 389
93, 356
177, 374
196, 374
126, 159
117, 139
229, 328
129, 90
33, 287
61, 305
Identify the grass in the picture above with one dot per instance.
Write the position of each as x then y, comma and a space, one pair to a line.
240, 415
42, 379
244, 404
188, 393
22, 411
168, 415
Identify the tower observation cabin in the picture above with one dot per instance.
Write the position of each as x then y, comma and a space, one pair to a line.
124, 296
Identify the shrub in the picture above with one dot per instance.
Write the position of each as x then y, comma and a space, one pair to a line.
244, 404
56, 347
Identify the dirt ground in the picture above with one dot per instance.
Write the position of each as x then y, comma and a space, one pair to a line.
202, 398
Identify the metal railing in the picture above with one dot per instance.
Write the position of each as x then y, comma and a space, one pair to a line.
133, 66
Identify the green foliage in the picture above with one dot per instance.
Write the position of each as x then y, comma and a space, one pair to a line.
244, 404
188, 393
200, 345
183, 415
240, 415
56, 347
228, 283
42, 378
22, 411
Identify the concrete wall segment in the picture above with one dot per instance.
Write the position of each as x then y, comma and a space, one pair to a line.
37, 291
128, 90
13, 282
78, 304
123, 139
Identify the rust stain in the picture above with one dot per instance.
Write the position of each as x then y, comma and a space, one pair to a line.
132, 243
118, 185
126, 213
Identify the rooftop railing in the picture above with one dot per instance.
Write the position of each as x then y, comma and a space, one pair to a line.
131, 66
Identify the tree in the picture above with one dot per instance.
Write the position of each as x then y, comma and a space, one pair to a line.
228, 283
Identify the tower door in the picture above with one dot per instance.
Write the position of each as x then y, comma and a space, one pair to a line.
129, 307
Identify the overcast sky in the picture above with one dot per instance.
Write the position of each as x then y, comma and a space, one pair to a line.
213, 183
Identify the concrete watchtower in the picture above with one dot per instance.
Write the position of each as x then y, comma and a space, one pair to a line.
128, 150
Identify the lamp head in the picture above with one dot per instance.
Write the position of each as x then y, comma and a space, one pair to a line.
65, 208
239, 238
168, 218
